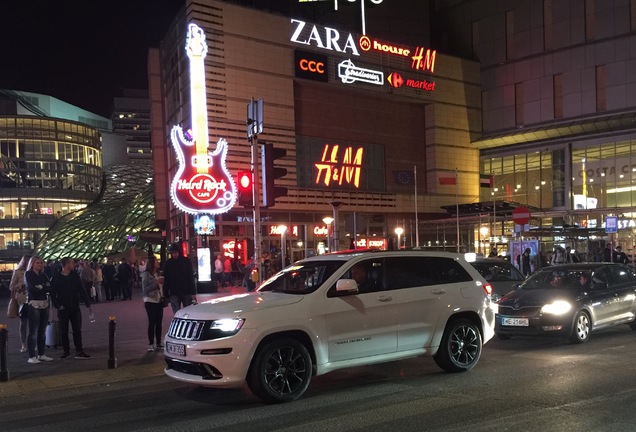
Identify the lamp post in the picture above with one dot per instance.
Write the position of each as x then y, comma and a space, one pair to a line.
399, 231
328, 220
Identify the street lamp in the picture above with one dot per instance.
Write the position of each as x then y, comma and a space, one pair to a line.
399, 231
328, 221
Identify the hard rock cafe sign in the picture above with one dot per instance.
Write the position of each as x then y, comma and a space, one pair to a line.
202, 183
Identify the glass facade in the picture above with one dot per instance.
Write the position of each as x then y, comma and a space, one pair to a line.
49, 168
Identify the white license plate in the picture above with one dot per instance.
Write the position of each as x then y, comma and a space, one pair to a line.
518, 322
176, 349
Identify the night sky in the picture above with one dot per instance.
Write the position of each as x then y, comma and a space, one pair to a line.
85, 52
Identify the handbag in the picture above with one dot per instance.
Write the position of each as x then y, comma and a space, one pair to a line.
23, 311
93, 291
12, 308
165, 301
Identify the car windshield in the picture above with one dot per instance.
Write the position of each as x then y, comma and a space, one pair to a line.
566, 278
301, 278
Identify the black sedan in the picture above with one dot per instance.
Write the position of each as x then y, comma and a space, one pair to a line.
569, 301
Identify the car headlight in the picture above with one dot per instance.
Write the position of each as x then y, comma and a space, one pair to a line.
228, 325
558, 307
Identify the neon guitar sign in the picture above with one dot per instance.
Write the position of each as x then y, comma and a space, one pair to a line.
202, 183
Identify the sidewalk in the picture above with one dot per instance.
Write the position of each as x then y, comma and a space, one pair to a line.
131, 349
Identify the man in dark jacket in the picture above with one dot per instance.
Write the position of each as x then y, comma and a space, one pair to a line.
67, 290
124, 276
178, 279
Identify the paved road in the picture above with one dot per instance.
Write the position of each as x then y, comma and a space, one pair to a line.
131, 344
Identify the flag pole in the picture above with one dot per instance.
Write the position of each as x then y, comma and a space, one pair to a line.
457, 206
417, 225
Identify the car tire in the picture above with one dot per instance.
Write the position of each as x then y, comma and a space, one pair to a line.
461, 346
632, 325
281, 371
581, 329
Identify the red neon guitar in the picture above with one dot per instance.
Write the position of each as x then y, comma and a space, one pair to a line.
202, 183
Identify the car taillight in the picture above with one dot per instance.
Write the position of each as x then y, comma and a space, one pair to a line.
488, 288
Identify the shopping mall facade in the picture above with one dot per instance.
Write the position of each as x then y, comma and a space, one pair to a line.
543, 120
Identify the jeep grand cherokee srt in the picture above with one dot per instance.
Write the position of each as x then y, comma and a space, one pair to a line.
331, 312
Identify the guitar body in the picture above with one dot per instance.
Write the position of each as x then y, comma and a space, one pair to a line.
202, 183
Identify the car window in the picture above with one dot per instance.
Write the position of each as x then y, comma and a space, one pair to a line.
301, 278
408, 272
368, 275
446, 270
498, 272
621, 275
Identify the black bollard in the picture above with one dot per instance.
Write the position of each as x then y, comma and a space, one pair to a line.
112, 325
4, 339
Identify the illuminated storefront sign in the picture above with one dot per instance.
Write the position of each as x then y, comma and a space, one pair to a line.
371, 243
368, 44
280, 229
202, 183
339, 165
424, 60
396, 80
230, 246
204, 224
321, 231
311, 66
349, 73
322, 37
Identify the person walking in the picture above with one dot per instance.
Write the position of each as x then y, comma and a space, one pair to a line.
620, 256
17, 287
227, 272
87, 276
38, 287
178, 275
218, 272
99, 282
124, 276
66, 293
151, 286
523, 261
108, 274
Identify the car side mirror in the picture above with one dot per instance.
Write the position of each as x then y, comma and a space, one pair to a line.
347, 286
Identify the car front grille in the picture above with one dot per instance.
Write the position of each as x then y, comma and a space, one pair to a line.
521, 312
185, 329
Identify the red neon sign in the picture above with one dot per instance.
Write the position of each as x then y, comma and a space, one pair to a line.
278, 230
371, 243
331, 168
321, 231
396, 80
312, 66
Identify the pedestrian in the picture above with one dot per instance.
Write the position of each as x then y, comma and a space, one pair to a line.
66, 294
558, 256
151, 286
620, 256
99, 282
247, 274
87, 275
227, 271
17, 287
123, 276
523, 261
178, 275
108, 274
38, 287
218, 272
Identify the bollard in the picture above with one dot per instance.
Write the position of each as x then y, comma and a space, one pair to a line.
112, 325
4, 339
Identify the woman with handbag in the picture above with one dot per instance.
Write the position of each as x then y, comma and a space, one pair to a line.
151, 285
19, 296
38, 287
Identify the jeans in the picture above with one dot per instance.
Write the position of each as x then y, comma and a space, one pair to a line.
155, 317
38, 319
177, 300
74, 316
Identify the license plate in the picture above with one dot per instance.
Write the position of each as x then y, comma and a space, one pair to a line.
518, 322
175, 349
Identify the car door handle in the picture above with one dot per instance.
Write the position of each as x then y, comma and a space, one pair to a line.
385, 298
439, 291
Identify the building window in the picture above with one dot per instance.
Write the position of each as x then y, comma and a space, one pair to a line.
558, 96
590, 21
510, 30
601, 85
519, 104
547, 25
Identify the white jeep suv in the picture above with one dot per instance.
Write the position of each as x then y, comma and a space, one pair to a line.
331, 312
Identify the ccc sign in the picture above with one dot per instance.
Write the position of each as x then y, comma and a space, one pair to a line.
311, 66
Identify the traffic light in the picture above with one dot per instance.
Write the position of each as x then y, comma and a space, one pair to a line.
270, 174
245, 194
